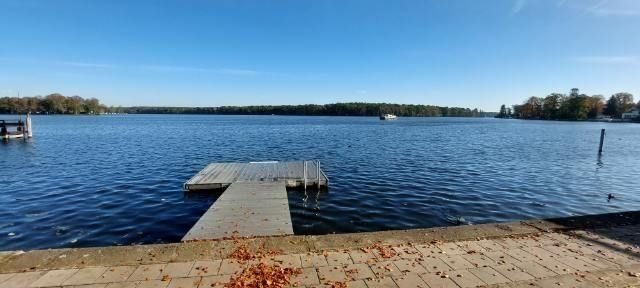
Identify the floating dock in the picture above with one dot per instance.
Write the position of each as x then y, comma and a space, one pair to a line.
22, 128
221, 175
255, 201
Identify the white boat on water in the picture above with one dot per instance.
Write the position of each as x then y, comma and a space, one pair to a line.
388, 117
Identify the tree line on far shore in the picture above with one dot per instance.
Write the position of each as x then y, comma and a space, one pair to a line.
60, 104
337, 109
51, 104
575, 106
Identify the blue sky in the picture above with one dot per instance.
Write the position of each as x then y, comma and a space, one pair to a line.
210, 53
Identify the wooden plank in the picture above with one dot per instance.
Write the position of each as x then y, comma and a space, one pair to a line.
248, 209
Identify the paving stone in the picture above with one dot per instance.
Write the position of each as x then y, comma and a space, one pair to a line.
576, 263
231, 266
438, 281
308, 277
490, 245
512, 272
191, 282
535, 269
22, 280
380, 257
521, 255
313, 260
54, 278
331, 274
407, 252
6, 276
152, 284
489, 275
217, 281
569, 280
457, 262
410, 266
578, 247
358, 271
338, 258
205, 268
451, 248
618, 258
500, 257
471, 247
147, 272
465, 279
555, 266
410, 280
85, 276
558, 250
599, 262
435, 265
384, 269
381, 283
122, 285
614, 278
528, 242
479, 260
97, 285
508, 243
360, 256
539, 253
356, 284
177, 269
429, 250
116, 274
289, 261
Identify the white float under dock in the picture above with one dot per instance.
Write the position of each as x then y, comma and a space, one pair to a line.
255, 201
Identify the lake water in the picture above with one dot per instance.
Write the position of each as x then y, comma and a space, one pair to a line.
117, 180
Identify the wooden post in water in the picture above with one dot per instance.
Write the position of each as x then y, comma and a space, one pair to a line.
601, 141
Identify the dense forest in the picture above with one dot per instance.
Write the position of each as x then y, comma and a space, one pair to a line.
59, 104
51, 104
575, 106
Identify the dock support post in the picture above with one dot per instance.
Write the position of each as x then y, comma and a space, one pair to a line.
28, 122
601, 141
318, 173
304, 173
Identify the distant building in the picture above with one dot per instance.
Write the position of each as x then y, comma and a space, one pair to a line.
634, 113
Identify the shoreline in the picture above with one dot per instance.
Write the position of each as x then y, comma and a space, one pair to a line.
594, 250
315, 243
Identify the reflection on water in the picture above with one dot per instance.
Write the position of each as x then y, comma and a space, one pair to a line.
115, 180
599, 163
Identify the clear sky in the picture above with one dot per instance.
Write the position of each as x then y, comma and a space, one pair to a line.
210, 53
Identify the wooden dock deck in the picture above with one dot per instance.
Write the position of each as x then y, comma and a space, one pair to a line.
255, 201
221, 175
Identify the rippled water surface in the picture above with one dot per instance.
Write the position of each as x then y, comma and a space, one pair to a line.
115, 180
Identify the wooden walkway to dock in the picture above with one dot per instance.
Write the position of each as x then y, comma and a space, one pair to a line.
255, 201
246, 209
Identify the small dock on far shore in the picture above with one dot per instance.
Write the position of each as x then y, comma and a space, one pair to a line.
255, 201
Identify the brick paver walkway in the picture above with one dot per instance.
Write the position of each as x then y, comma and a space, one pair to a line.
596, 258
